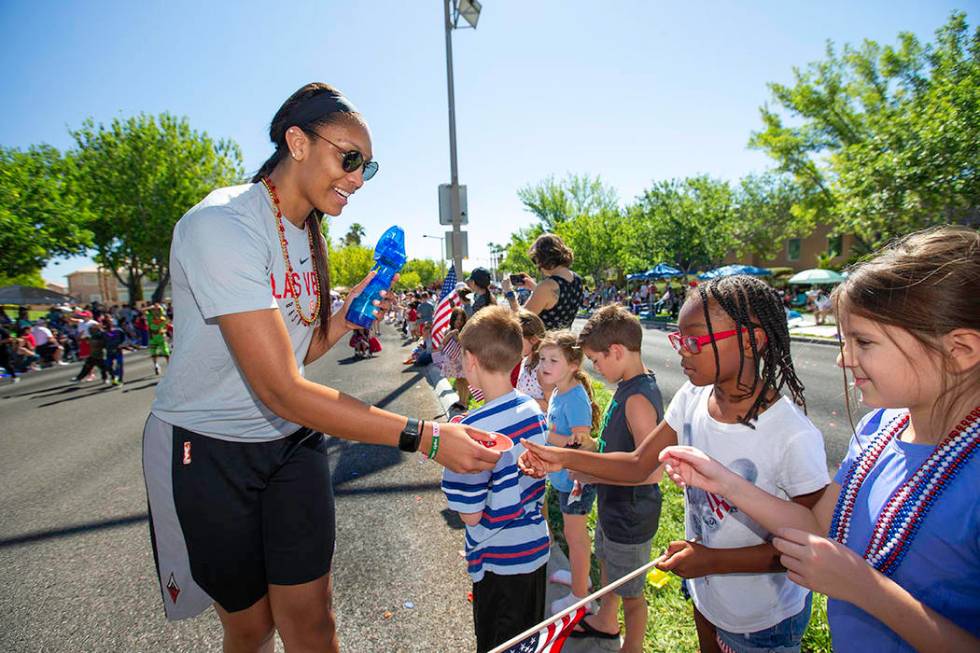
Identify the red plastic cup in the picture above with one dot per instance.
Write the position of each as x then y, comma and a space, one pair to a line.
501, 443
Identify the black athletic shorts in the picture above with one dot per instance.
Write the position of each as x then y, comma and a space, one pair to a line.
228, 518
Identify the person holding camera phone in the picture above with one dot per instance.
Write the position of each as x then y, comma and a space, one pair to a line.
557, 298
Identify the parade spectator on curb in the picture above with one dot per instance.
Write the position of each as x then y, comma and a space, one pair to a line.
822, 307
558, 297
234, 457
628, 516
27, 356
507, 542
7, 345
479, 283
47, 345
452, 359
528, 380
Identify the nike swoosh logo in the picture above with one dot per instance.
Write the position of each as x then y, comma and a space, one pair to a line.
304, 260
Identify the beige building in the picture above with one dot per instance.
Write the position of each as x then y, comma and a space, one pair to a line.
56, 287
93, 285
98, 285
801, 253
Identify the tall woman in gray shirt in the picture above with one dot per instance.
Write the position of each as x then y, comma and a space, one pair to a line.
233, 456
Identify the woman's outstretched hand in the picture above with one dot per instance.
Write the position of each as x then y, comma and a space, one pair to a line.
538, 460
822, 565
688, 466
461, 451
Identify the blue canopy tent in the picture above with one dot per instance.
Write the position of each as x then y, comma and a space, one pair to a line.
662, 271
636, 275
730, 270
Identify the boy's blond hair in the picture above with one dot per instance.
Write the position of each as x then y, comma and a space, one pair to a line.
494, 336
611, 325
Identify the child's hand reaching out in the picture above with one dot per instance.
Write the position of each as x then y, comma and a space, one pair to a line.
538, 460
690, 466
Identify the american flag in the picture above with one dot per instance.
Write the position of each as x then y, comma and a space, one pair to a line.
448, 299
551, 638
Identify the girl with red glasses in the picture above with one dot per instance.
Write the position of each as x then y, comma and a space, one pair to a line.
733, 341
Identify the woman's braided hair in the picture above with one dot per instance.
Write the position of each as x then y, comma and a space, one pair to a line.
752, 304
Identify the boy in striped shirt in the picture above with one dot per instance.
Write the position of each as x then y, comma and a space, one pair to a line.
507, 541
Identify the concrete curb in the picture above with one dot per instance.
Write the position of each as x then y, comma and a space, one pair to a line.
443, 390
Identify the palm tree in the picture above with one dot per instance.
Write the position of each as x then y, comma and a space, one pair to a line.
354, 235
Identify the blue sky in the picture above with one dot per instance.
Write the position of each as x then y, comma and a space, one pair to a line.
631, 91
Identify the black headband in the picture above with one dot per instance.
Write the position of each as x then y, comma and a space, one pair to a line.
319, 106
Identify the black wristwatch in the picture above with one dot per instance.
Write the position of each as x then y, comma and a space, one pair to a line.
411, 436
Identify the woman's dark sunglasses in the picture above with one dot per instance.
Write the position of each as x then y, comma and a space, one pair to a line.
351, 160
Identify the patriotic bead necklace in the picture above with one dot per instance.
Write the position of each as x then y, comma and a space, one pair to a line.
315, 301
899, 520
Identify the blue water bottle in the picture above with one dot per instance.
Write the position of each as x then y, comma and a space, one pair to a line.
389, 257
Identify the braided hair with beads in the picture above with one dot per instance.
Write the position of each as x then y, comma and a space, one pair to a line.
752, 304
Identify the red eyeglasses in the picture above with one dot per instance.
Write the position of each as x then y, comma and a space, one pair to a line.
693, 344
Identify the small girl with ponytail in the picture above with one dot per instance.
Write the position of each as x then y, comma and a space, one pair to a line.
572, 416
895, 540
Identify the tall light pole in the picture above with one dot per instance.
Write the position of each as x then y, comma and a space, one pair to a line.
442, 251
470, 11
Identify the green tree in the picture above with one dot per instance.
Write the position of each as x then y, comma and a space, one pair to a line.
408, 281
882, 140
596, 240
767, 213
687, 222
427, 271
554, 202
41, 215
139, 175
515, 257
354, 235
350, 264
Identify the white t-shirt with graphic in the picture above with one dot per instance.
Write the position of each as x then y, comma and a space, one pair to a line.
783, 455
226, 258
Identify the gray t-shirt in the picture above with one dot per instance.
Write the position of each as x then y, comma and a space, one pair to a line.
628, 515
226, 258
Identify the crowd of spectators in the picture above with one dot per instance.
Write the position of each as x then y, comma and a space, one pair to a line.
66, 334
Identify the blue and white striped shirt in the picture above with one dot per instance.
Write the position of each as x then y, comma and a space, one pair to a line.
512, 536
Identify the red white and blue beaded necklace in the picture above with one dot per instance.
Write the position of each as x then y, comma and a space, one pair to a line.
899, 520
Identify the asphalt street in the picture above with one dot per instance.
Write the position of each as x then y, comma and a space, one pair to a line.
815, 365
76, 569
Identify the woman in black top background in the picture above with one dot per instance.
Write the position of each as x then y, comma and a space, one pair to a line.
557, 298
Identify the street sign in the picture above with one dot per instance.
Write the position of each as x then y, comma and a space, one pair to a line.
464, 245
445, 204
